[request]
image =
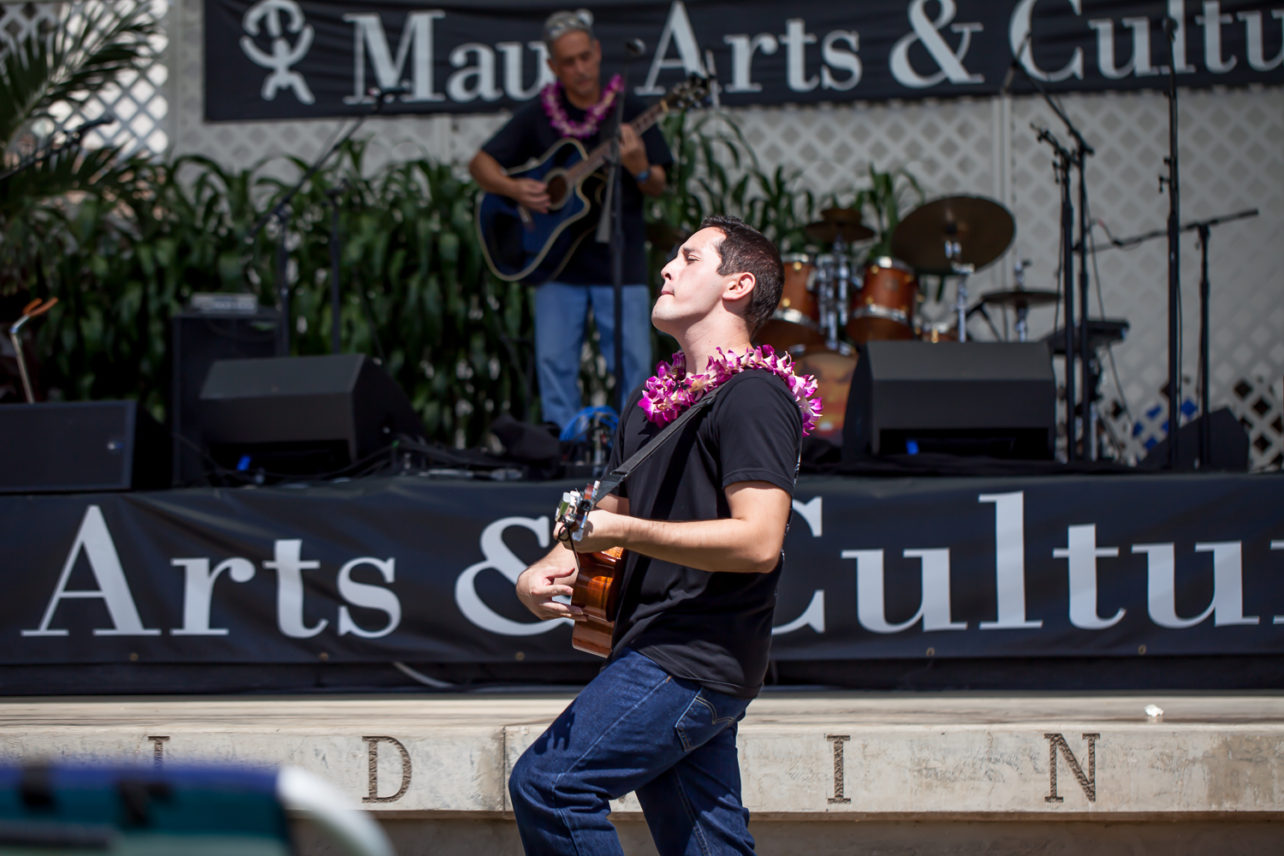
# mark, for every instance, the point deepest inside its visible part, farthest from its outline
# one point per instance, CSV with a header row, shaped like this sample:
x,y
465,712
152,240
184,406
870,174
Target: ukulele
x,y
597,581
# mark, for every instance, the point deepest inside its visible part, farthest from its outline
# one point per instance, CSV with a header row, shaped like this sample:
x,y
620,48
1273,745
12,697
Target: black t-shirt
x,y
710,627
528,135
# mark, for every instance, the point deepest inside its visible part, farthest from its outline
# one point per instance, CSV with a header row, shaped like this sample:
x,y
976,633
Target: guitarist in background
x,y
702,521
578,105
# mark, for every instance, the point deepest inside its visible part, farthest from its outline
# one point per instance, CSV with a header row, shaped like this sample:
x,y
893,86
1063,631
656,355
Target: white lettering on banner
x,y
1254,40
483,72
934,603
500,558
94,540
415,45
512,53
812,513
927,33
1177,11
368,596
1139,65
834,57
795,39
478,75
1009,561
1212,21
1081,552
743,47
198,592
1019,32
1227,603
678,33
289,566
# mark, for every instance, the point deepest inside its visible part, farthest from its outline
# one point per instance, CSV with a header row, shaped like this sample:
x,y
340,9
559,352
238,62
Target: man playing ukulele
x,y
702,522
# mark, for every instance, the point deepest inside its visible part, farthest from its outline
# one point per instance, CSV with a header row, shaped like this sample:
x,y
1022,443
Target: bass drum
x,y
833,371
796,322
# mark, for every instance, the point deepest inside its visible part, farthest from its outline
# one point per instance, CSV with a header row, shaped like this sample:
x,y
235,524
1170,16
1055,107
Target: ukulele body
x,y
596,591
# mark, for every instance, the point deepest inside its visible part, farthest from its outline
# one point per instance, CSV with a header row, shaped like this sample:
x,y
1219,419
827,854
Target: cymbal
x,y
982,227
841,215
829,231
665,237
1020,298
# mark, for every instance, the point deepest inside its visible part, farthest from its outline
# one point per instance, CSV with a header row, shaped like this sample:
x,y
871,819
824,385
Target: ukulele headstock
x,y
573,509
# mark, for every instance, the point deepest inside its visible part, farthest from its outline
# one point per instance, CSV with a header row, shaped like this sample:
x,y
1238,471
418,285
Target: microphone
x,y
714,87
635,47
383,93
1016,61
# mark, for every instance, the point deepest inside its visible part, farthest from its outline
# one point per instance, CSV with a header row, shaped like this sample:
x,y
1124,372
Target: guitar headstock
x,y
689,94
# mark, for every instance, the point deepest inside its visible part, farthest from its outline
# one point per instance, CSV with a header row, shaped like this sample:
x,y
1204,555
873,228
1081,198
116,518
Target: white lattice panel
x,y
136,102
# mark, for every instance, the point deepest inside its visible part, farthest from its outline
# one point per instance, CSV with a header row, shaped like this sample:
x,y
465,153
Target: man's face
x,y
576,62
692,286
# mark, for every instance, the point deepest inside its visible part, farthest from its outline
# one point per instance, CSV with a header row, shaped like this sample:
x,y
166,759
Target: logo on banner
x,y
280,18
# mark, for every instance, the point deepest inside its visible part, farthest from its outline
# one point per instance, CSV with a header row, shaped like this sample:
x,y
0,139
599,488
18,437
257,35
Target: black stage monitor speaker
x,y
301,415
996,399
76,446
1227,445
199,339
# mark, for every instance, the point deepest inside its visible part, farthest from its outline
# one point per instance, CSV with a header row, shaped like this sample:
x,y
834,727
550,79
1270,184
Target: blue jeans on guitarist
x,y
635,728
561,313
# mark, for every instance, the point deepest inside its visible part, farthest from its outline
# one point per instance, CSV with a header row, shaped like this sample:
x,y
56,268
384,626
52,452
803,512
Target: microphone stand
x,y
1078,158
280,213
1064,157
610,229
1174,256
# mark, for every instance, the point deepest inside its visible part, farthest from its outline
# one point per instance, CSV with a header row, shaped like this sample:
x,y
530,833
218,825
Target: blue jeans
x,y
635,728
561,311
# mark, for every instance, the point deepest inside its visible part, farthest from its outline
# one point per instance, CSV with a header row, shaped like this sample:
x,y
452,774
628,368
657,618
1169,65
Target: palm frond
x,y
90,45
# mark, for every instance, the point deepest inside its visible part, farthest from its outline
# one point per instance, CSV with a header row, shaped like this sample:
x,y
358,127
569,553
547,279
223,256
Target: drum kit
x,y
830,304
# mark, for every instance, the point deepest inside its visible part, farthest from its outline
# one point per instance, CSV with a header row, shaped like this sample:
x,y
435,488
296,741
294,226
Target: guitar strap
x,y
612,480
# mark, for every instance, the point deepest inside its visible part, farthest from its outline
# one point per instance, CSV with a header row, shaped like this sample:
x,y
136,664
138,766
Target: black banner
x,y
290,59
421,570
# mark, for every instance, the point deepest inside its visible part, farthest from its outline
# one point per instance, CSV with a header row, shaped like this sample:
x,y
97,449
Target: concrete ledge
x,y
804,756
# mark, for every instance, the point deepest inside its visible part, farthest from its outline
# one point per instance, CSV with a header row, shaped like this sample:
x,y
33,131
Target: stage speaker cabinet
x,y
996,399
81,446
301,416
198,340
1227,445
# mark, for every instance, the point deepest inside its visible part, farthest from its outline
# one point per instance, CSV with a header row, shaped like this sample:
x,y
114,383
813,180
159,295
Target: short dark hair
x,y
743,248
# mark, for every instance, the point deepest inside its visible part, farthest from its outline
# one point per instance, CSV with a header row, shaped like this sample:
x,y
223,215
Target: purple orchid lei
x,y
549,96
671,390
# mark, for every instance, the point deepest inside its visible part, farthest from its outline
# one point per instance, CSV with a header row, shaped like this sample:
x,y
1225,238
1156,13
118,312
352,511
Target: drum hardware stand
x,y
952,251
1022,310
32,309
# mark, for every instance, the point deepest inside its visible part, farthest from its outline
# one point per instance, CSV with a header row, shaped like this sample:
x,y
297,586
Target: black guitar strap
x,y
613,479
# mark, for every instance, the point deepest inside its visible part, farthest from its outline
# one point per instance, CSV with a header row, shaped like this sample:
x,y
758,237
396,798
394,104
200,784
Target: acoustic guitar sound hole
x,y
556,186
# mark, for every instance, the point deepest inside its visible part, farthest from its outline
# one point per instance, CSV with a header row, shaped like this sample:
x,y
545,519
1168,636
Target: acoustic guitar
x,y
520,244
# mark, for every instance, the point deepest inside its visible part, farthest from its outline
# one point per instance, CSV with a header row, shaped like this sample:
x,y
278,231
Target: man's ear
x,y
740,286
